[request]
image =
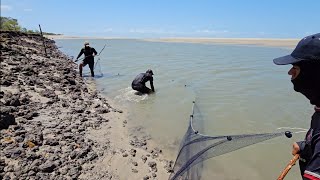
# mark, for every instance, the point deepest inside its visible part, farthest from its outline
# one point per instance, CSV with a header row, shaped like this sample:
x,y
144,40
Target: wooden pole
x,y
44,45
288,167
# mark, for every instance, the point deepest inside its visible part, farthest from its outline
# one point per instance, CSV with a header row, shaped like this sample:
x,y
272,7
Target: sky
x,y
169,18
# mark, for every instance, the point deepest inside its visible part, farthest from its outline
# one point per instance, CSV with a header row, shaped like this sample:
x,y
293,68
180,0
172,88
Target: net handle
x,y
288,167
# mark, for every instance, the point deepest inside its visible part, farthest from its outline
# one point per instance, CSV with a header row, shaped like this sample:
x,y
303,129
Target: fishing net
x,y
97,67
196,147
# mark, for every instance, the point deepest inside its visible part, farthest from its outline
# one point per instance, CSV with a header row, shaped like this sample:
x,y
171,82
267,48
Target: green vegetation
x,y
11,24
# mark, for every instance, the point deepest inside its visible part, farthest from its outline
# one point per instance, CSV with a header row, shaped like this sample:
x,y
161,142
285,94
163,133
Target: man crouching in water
x,y
139,83
89,54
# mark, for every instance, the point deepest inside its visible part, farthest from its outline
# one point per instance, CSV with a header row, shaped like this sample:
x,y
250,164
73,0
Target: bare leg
x,y
80,69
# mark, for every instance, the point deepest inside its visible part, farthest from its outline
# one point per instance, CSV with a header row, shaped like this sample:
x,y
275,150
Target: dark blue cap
x,y
307,49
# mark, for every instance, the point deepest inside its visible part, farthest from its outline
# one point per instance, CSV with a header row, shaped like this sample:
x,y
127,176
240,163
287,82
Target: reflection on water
x,y
238,89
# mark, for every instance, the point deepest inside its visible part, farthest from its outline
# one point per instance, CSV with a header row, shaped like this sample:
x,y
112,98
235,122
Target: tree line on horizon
x,y
11,24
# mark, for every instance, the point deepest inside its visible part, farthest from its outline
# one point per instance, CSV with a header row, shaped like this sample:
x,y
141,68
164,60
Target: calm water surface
x,y
238,89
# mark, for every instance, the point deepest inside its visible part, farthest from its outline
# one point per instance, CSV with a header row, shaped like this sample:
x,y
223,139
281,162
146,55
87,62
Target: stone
x,y
47,167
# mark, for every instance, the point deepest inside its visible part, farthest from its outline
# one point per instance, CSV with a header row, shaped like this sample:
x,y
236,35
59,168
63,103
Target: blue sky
x,y
169,18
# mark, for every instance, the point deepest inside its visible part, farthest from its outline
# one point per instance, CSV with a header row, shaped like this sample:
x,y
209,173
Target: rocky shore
x,y
56,125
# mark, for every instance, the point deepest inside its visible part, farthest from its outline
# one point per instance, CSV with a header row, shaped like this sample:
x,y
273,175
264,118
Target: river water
x,y
238,89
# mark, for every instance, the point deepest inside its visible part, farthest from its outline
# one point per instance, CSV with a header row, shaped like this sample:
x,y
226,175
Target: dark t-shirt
x,y
142,78
310,150
88,54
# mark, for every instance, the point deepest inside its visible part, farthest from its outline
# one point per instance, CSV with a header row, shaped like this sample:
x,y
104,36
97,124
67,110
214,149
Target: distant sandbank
x,y
287,43
273,42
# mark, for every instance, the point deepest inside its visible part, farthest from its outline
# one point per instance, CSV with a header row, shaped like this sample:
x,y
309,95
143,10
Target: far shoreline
x,y
270,42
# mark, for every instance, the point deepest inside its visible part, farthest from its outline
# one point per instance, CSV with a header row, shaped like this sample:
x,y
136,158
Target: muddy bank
x,y
55,125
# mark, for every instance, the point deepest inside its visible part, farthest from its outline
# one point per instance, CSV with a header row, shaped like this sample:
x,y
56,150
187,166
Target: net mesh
x,y
196,147
97,69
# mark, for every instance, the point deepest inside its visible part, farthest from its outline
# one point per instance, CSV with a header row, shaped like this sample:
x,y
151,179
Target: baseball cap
x,y
149,71
307,49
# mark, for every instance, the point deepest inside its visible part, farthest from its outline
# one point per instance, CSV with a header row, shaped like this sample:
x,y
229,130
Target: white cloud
x,y
207,31
147,31
108,30
97,31
27,10
5,8
137,31
262,33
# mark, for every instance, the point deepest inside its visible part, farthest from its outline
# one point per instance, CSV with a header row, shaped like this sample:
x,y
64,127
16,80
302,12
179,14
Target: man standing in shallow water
x,y
89,54
305,76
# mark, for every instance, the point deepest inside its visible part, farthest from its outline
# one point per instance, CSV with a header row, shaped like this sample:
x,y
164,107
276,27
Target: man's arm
x,y
94,52
80,53
297,147
312,171
151,84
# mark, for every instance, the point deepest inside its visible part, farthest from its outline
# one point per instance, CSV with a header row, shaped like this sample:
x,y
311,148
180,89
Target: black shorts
x,y
141,88
88,61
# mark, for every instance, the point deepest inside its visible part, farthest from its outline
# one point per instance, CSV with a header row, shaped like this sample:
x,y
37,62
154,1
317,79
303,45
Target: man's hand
x,y
295,148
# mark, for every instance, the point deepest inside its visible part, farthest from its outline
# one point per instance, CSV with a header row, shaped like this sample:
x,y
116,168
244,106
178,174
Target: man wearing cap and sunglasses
x,y
89,54
139,83
305,76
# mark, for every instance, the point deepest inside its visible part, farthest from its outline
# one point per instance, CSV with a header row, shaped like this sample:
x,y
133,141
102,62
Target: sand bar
x,y
272,42
287,43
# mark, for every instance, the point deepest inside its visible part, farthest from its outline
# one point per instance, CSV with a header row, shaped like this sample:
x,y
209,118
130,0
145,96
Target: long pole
x,y
44,45
288,167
